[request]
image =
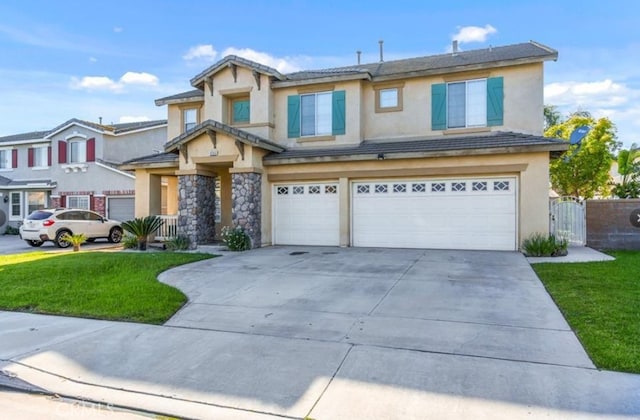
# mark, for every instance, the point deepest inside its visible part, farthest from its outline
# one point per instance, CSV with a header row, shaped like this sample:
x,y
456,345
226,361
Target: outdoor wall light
x,y
380,156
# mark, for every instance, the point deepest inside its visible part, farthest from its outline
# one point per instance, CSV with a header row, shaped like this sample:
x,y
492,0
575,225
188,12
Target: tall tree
x,y
551,116
583,170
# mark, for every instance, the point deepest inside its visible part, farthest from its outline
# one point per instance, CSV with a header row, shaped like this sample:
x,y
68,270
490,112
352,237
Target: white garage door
x,y
121,208
306,214
476,213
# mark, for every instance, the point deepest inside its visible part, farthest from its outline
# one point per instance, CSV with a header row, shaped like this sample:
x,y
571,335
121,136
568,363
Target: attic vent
x,y
454,47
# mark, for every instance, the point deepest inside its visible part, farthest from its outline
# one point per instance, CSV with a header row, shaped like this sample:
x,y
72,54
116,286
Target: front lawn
x,y
106,285
601,302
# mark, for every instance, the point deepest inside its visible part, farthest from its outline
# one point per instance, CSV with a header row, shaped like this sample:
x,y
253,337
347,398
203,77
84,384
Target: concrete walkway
x,y
332,334
575,254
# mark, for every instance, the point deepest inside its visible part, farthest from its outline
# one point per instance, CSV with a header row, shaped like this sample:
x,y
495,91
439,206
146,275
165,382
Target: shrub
x,y
540,245
76,240
236,239
10,230
141,228
178,243
129,241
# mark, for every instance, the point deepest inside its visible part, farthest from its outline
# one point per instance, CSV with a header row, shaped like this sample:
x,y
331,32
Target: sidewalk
x,y
576,254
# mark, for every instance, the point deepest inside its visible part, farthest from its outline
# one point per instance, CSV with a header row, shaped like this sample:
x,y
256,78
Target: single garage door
x,y
474,213
306,214
121,208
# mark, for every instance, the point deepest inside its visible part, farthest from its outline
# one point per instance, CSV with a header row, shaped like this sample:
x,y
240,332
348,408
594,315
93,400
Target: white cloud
x,y
133,78
284,65
130,119
93,60
204,52
467,34
118,29
589,95
104,83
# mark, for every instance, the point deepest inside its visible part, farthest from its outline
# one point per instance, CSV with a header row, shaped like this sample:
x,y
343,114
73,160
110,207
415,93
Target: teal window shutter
x,y
439,106
495,101
241,111
338,123
293,116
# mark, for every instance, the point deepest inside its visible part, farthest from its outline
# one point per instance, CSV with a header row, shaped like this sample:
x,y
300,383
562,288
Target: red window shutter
x,y
62,151
14,158
91,150
49,156
30,153
92,203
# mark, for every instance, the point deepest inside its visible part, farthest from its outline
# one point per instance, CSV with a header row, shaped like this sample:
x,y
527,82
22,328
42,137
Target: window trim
x,y
46,156
315,132
399,87
12,203
183,108
70,143
8,159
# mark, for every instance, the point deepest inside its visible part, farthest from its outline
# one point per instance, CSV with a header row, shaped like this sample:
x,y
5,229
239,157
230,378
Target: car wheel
x,y
34,243
115,235
60,242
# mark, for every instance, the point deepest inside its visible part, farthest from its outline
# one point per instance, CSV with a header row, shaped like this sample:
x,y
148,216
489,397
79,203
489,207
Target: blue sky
x,y
111,59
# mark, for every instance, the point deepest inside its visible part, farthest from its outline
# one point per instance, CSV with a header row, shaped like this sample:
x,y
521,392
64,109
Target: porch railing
x,y
169,228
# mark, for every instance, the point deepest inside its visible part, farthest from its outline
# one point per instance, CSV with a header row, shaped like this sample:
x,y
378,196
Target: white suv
x,y
53,224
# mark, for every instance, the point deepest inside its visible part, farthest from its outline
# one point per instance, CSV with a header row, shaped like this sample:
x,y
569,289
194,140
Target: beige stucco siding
x,y
529,168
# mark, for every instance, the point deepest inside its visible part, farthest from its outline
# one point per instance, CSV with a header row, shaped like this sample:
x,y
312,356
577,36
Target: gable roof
x,y
211,125
198,80
189,96
103,128
24,137
497,142
528,52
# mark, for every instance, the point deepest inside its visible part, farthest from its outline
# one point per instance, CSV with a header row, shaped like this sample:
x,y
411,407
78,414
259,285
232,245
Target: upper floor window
x,y
190,118
240,111
316,114
8,159
388,97
469,103
39,157
77,151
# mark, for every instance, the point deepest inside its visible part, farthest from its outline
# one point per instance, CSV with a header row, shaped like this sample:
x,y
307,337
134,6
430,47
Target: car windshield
x,y
39,215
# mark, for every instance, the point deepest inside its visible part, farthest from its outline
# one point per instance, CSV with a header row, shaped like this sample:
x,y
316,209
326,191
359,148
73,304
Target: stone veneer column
x,y
196,208
246,196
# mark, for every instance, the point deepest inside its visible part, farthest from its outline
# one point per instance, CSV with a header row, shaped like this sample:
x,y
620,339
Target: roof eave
x,y
555,147
319,80
162,101
132,166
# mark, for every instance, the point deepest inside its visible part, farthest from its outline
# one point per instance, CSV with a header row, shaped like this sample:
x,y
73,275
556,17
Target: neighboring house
x,y
73,165
443,151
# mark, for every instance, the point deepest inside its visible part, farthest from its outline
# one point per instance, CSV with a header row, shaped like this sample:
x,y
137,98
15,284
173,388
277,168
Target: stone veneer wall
x,y
246,197
196,208
609,224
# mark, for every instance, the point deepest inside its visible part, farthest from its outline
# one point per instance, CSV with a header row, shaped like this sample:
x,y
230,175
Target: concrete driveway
x,y
333,334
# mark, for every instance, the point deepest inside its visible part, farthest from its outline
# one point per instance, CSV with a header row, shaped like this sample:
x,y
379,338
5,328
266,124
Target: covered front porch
x,y
208,178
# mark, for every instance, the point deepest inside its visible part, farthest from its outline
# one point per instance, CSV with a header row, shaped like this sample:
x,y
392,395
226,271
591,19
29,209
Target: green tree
x,y
583,170
551,116
629,168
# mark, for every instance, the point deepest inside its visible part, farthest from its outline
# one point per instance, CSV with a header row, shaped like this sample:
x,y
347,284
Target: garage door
x,y
306,214
476,213
121,208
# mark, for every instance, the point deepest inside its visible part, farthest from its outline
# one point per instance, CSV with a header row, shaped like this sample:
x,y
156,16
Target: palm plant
x,y
76,240
141,228
629,168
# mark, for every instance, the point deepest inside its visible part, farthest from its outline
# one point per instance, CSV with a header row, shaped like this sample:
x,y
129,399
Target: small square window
x,y
501,185
298,189
330,189
399,188
314,189
388,98
363,189
438,187
479,186
282,190
240,111
418,188
458,186
381,188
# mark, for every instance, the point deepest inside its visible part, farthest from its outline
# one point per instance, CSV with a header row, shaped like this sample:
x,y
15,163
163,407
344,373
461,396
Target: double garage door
x,y
473,213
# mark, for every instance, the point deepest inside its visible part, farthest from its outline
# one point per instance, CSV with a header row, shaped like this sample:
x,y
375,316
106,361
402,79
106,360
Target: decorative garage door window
x,y
434,187
306,189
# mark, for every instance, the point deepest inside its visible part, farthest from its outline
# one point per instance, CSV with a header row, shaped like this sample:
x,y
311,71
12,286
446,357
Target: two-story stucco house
x,y
73,165
442,151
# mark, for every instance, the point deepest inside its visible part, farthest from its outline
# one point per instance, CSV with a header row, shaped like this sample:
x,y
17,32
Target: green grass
x,y
105,285
601,302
